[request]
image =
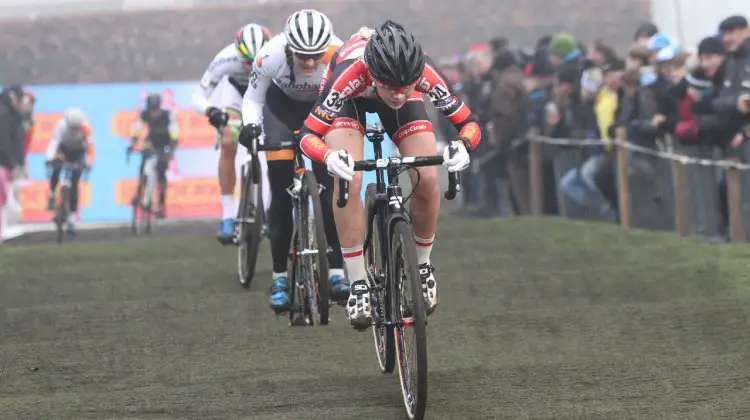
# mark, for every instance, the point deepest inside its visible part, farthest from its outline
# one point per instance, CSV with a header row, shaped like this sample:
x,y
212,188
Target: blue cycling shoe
x,y
226,232
339,288
279,299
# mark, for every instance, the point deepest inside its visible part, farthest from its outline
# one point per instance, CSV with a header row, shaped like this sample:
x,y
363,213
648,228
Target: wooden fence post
x,y
734,198
623,179
681,213
536,175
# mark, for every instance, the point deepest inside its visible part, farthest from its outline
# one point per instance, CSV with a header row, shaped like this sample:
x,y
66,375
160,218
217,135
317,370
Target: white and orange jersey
x,y
71,139
272,66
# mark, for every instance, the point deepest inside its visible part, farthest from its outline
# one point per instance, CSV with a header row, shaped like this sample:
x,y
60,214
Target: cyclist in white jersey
x,y
283,87
221,88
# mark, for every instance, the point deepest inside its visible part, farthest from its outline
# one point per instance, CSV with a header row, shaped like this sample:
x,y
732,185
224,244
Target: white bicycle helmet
x,y
74,117
308,31
250,39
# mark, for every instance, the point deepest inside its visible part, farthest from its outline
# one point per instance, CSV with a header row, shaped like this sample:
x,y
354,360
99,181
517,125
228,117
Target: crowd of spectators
x,y
565,88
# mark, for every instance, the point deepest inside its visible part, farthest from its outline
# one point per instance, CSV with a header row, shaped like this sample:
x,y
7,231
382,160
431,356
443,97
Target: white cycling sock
x,y
336,272
424,248
277,275
227,207
355,263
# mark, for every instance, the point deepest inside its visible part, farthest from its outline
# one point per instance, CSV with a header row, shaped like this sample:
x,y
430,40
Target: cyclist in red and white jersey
x,y
385,71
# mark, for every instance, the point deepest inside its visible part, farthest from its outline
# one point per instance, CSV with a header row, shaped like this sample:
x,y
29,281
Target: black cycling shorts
x,y
72,154
282,115
398,123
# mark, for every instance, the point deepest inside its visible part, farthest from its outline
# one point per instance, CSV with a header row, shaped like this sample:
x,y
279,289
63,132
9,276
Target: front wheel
x,y
382,334
406,291
61,215
312,233
250,224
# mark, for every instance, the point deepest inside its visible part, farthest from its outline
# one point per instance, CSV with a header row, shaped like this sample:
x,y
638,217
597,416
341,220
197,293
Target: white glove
x,y
340,164
460,159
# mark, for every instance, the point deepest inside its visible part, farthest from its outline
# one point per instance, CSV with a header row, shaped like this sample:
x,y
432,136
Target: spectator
x,y
644,33
498,45
734,98
507,120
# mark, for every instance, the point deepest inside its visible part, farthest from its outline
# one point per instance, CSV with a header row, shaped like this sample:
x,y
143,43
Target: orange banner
x,y
191,197
195,131
33,197
44,127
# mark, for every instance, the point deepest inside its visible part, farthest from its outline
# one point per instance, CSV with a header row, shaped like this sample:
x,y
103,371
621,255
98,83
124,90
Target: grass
x,y
539,318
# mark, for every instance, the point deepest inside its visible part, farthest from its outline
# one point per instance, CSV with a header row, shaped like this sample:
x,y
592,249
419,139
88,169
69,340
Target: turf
x,y
539,318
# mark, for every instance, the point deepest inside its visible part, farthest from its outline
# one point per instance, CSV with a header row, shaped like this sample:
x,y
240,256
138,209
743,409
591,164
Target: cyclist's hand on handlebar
x,y
341,164
248,133
460,159
217,118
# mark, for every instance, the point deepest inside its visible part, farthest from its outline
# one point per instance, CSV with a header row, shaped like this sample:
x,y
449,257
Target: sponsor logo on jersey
x,y
410,129
259,61
447,103
301,86
253,79
347,123
323,113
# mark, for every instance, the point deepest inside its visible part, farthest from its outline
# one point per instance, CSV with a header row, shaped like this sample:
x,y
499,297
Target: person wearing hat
x,y
644,33
735,96
563,48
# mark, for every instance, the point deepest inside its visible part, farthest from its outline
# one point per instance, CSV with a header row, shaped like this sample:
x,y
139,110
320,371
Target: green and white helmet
x,y
250,39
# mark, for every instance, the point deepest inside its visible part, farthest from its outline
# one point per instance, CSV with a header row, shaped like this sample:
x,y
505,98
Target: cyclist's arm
x,y
54,142
223,64
174,128
90,151
261,77
445,99
135,135
327,107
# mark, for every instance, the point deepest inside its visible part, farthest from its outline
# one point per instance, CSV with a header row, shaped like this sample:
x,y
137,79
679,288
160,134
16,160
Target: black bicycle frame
x,y
389,208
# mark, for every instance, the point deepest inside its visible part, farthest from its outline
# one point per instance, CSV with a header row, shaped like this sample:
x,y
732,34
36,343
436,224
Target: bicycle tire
x,y
382,334
147,213
318,292
249,234
403,245
136,204
61,215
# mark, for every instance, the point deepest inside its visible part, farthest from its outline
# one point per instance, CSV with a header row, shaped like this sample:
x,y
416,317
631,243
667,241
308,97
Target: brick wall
x,y
179,44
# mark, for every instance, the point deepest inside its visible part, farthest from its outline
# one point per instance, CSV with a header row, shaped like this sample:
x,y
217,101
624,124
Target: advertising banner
x,y
112,110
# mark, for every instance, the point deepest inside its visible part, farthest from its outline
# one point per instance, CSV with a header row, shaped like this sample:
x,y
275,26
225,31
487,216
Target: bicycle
x,y
143,205
392,266
310,294
62,207
250,215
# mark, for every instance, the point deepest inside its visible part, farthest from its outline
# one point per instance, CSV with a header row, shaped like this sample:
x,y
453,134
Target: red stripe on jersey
x,y
350,123
317,125
410,129
460,115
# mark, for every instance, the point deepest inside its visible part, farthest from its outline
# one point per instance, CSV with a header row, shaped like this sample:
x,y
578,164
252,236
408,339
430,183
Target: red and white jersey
x,y
347,77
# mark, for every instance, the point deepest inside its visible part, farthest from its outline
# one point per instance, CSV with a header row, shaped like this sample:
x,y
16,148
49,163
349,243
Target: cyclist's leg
x,y
280,177
413,136
161,172
75,157
339,285
347,133
227,97
139,185
293,114
54,179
